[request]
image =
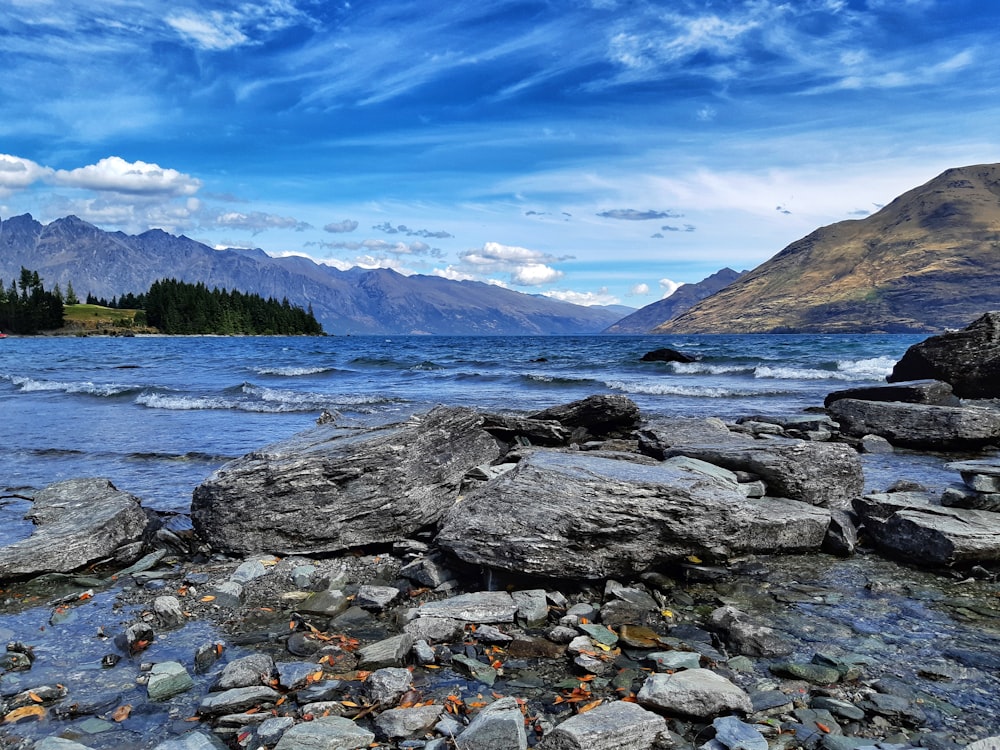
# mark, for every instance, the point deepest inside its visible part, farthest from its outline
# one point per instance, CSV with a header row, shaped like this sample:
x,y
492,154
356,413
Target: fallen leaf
x,y
590,706
122,712
35,697
23,713
693,559
823,727
208,598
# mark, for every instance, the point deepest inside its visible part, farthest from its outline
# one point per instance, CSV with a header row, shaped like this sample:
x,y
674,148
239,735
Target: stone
x,y
192,741
980,476
476,607
698,693
841,535
57,743
747,637
478,671
386,686
435,629
969,360
817,674
600,416
400,723
671,661
962,497
228,595
738,735
532,606
535,431
329,489
271,730
167,679
920,426
666,354
77,522
823,474
911,526
247,671
250,570
326,733
293,675
656,437
498,726
427,571
610,726
390,652
328,603
530,647
933,392
168,611
237,700
875,444
989,743
375,598
577,515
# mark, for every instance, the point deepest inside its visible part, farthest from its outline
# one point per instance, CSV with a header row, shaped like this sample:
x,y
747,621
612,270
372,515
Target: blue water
x,y
157,415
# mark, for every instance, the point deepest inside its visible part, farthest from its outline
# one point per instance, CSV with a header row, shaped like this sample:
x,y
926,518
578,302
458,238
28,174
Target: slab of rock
x,y
968,359
400,723
655,438
747,637
330,489
700,693
167,679
825,474
911,526
390,652
237,700
499,726
922,426
608,727
918,392
477,606
248,671
575,515
536,431
981,476
77,522
326,733
595,416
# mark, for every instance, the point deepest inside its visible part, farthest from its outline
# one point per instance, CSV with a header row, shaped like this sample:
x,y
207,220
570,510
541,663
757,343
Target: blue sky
x,y
599,151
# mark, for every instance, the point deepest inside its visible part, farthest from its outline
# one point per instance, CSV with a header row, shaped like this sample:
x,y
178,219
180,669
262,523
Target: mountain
x,y
684,297
357,301
927,261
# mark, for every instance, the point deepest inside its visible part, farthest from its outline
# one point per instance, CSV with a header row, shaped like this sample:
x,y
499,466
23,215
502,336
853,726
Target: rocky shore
x,y
575,578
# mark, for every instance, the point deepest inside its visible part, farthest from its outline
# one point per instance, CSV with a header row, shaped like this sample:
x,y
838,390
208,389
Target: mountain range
x,y
357,301
927,261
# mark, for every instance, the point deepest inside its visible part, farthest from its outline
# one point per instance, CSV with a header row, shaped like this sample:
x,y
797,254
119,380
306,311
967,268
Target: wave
x,y
254,398
535,378
696,391
874,368
706,368
104,390
291,372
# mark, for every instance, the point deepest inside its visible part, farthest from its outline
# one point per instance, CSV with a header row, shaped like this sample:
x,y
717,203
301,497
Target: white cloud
x,y
601,297
258,221
114,174
341,227
669,287
212,31
526,267
17,173
639,290
534,274
453,274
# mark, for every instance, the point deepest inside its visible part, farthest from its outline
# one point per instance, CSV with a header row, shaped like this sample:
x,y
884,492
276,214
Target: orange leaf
x,y
208,598
584,621
35,697
589,706
823,727
586,678
121,713
24,712
85,596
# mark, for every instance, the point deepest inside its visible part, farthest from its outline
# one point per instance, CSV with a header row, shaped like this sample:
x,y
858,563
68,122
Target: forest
x,y
25,306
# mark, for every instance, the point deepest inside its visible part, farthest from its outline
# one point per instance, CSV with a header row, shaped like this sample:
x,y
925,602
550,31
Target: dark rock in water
x,y
909,525
933,392
747,637
329,489
77,522
564,515
666,354
825,474
596,416
921,426
968,359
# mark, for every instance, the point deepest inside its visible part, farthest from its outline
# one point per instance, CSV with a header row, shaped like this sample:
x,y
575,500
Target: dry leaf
x,y
121,713
208,598
24,712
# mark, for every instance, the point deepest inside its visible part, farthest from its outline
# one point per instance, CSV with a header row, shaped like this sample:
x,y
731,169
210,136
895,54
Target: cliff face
x,y
358,301
927,261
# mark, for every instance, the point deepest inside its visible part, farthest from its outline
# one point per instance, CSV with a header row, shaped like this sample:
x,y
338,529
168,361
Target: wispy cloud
x,y
257,221
631,214
341,227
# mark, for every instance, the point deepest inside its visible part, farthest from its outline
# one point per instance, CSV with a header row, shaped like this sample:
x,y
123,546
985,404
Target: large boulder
x,y
918,392
666,354
825,474
329,489
968,359
922,426
576,515
595,416
77,522
911,526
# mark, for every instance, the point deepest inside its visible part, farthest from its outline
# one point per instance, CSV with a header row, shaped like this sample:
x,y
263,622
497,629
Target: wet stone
x,y
770,702
398,723
329,603
499,726
814,673
738,735
168,679
228,595
334,732
693,692
671,661
302,576
250,570
168,611
478,671
293,675
529,647
561,634
390,652
375,598
237,700
477,607
816,716
427,571
532,606
839,708
192,741
255,669
608,727
273,728
387,686
599,634
327,690
435,629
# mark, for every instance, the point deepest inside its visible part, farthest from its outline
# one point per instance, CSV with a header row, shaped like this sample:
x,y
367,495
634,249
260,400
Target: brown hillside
x,y
927,261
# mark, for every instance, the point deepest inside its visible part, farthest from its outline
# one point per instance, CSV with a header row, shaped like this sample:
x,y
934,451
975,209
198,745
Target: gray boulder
x,y
921,426
595,417
933,392
326,733
824,474
499,726
700,693
330,489
968,359
77,522
575,515
911,526
608,727
657,437
747,637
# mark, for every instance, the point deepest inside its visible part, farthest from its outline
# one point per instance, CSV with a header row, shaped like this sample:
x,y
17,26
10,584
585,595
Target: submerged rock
x,y
329,489
666,354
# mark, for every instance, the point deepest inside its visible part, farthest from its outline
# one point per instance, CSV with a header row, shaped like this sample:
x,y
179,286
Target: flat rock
x,y
329,488
77,522
168,679
921,426
911,526
668,432
499,726
747,637
608,727
576,515
599,416
477,607
237,700
981,476
326,733
698,693
400,723
918,392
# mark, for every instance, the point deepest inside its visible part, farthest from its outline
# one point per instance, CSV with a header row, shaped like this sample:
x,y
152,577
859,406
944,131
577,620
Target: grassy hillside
x,y
94,319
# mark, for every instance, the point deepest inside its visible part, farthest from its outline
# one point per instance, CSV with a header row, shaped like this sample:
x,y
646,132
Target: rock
x,y
532,606
817,674
595,417
435,629
328,603
499,726
477,607
666,354
875,444
536,431
610,726
841,534
57,743
961,497
386,686
968,359
255,669
909,525
375,598
77,522
326,733
192,741
919,392
824,474
167,679
294,675
329,489
427,571
237,700
699,693
980,476
400,723
990,743
671,661
390,652
662,434
478,671
271,730
168,611
920,426
530,647
576,515
228,595
737,735
747,637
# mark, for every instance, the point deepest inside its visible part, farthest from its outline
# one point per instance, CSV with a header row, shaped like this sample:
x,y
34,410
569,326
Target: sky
x,y
596,151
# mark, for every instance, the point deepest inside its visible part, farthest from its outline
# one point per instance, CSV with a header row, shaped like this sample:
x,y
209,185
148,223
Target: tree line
x,y
25,306
171,306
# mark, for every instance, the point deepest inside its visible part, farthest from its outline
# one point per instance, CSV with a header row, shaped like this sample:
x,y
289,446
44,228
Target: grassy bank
x,y
94,319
